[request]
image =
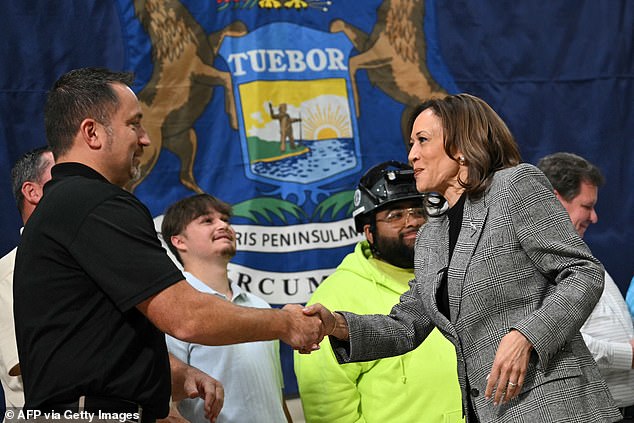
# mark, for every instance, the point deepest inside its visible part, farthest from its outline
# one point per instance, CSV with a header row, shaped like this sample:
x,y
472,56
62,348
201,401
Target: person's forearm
x,y
193,316
196,317
178,371
234,324
340,329
190,382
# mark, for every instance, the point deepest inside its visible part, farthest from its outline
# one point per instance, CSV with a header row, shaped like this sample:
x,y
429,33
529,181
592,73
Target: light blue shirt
x,y
250,372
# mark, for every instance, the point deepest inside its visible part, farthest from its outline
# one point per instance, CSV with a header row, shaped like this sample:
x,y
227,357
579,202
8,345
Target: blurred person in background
x,y
608,332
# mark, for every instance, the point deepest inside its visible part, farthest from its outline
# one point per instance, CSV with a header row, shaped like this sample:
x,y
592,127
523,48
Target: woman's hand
x,y
509,367
333,324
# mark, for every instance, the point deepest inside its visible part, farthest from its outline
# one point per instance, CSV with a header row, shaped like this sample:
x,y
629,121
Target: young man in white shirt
x,y
197,231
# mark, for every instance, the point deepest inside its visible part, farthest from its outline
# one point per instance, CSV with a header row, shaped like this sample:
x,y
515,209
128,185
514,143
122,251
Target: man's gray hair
x,y
566,172
28,168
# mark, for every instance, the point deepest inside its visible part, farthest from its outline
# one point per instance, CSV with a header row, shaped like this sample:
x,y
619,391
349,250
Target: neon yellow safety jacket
x,y
420,386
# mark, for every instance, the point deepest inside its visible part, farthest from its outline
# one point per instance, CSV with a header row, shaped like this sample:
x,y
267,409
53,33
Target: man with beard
x,y
419,386
105,290
197,231
28,176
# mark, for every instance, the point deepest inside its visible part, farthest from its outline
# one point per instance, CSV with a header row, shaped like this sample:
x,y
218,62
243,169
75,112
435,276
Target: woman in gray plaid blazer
x,y
503,275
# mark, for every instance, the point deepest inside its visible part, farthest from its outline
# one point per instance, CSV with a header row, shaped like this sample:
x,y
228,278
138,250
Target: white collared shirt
x,y
250,372
12,385
607,333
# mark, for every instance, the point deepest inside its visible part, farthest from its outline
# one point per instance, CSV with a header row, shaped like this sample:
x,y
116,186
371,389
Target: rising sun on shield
x,y
327,121
298,131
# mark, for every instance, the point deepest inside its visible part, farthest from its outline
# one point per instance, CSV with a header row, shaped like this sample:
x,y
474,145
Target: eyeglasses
x,y
399,216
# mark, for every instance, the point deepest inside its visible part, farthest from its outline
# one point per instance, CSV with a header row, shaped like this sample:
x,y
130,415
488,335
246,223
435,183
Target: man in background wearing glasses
x,y
419,386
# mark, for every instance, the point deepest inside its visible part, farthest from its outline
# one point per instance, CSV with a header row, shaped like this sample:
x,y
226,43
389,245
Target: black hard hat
x,y
383,185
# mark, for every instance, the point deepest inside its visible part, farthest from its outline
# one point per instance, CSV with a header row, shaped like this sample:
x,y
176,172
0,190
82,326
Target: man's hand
x,y
174,416
189,382
201,385
304,332
509,367
334,324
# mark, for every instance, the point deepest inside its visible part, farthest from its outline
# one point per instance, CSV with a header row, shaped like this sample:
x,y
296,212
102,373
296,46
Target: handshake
x,y
307,326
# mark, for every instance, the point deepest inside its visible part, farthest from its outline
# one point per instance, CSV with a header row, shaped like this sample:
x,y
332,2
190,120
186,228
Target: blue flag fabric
x,y
278,107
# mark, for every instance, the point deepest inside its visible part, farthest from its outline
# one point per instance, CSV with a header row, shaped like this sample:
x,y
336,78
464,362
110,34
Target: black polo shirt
x,y
88,255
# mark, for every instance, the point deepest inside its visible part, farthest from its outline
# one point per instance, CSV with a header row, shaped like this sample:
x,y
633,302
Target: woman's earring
x,y
461,161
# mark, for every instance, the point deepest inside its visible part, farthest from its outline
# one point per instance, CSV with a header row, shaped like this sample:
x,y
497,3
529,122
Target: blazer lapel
x,y
474,216
433,251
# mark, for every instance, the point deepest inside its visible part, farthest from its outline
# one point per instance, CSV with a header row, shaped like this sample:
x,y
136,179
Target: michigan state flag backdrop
x,y
279,106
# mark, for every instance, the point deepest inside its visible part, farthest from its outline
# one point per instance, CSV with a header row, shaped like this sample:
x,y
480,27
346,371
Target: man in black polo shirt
x,y
93,287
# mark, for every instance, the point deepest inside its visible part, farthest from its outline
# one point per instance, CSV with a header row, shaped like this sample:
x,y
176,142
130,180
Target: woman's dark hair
x,y
473,128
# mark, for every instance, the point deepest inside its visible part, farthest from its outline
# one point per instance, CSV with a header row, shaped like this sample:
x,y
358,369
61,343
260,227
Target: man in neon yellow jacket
x,y
420,386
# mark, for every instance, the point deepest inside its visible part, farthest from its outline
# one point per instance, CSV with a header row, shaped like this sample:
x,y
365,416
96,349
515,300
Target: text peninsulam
x,y
283,287
288,287
285,239
278,287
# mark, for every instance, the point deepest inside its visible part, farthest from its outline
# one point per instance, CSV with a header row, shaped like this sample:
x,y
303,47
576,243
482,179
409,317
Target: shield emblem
x,y
296,116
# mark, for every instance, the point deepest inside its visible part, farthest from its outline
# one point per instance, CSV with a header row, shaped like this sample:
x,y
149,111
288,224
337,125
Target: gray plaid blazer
x,y
518,263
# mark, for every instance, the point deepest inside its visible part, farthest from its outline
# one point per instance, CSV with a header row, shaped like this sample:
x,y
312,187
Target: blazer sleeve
x,y
375,336
548,237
